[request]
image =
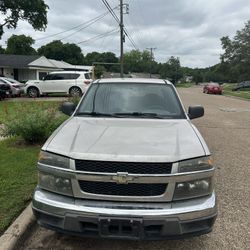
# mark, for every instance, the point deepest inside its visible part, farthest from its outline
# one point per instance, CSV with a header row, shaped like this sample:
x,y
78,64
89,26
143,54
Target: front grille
x,y
129,167
131,189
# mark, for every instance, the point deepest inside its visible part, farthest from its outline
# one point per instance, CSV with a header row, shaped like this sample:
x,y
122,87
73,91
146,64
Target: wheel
x,y
33,92
75,91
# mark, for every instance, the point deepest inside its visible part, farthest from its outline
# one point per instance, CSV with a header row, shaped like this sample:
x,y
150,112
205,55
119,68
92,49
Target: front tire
x,y
75,92
33,92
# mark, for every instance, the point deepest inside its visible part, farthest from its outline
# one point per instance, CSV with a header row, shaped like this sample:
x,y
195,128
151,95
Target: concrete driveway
x,y
226,129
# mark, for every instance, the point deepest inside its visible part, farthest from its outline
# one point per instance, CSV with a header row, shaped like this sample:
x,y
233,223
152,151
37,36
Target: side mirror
x,y
68,108
195,112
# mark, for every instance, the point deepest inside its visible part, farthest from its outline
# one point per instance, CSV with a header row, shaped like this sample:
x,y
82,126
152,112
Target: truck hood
x,y
122,139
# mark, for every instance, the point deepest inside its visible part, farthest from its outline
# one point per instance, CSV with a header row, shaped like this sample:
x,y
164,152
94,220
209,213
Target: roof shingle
x,y
16,61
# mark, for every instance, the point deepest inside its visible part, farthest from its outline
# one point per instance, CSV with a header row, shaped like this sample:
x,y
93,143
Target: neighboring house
x,y
26,67
188,79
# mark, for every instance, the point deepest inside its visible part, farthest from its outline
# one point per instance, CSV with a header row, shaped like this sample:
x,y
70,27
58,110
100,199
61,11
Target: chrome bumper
x,y
65,213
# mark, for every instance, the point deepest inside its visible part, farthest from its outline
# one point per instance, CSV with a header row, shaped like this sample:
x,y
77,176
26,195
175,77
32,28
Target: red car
x,y
212,88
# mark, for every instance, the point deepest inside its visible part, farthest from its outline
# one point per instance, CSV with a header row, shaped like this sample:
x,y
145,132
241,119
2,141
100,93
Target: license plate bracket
x,y
120,227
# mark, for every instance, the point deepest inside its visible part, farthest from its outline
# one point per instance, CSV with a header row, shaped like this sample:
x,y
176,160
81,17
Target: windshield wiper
x,y
95,114
141,114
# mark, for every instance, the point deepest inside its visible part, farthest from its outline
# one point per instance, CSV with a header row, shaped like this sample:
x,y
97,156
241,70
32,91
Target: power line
x,y
130,38
99,36
137,33
88,23
111,11
86,26
118,21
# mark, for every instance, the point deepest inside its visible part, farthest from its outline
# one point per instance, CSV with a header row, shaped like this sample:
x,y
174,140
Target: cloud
x,y
189,29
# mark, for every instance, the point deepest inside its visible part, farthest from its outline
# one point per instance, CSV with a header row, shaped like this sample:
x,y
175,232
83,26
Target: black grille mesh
x,y
130,167
131,189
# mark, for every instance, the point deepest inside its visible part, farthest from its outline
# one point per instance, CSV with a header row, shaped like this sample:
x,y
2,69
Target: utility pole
x,y
151,60
121,36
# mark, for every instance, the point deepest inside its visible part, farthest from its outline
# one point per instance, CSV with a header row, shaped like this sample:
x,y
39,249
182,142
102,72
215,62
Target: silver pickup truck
x,y
128,163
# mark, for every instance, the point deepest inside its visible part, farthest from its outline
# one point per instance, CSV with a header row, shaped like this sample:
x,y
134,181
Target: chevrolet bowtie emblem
x,y
122,178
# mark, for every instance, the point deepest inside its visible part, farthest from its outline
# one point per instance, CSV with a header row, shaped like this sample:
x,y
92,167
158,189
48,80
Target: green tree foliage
x,y
236,57
20,45
34,12
2,50
139,61
68,52
172,70
99,70
106,57
132,61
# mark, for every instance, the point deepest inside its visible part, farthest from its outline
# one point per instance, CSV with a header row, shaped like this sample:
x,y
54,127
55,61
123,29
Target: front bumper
x,y
125,219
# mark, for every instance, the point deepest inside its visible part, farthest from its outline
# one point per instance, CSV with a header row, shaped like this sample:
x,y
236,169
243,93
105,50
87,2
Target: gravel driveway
x,y
226,129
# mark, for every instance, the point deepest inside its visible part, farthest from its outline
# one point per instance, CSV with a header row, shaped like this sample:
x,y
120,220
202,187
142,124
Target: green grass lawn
x,y
227,90
10,107
18,178
18,174
184,85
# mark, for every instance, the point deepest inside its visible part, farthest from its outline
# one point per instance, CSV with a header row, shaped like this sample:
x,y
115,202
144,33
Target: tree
x,y
236,57
68,52
137,61
106,57
132,61
20,45
2,50
172,70
34,12
99,70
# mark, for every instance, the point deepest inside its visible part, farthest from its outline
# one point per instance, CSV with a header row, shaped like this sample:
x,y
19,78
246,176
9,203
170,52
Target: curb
x,y
18,230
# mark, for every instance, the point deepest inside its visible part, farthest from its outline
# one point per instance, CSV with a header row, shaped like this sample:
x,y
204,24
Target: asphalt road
x,y
226,129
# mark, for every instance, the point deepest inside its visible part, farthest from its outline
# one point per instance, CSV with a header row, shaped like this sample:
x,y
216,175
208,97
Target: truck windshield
x,y
130,100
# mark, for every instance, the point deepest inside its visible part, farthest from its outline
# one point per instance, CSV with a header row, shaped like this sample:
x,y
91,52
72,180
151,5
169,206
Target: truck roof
x,y
132,80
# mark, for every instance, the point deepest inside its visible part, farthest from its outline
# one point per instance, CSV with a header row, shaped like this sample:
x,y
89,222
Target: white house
x,y
33,67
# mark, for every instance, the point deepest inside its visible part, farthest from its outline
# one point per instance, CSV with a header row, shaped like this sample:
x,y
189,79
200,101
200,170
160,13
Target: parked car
x,y
128,163
242,86
73,83
17,88
212,88
5,90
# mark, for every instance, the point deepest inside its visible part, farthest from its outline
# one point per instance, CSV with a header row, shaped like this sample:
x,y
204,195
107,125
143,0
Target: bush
x,y
74,99
34,124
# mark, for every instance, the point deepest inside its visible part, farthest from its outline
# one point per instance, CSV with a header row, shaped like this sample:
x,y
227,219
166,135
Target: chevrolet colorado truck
x,y
129,164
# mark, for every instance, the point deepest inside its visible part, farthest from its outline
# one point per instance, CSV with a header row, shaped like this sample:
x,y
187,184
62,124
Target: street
x,y
226,129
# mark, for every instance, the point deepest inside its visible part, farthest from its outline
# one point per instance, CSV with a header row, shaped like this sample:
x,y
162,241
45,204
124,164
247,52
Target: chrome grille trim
x,y
169,179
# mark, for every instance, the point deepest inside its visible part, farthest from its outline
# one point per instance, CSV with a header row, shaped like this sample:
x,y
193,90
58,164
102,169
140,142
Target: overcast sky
x,y
189,29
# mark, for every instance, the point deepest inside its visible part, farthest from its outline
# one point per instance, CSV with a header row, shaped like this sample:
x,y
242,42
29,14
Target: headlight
x,y
192,189
55,183
53,160
197,164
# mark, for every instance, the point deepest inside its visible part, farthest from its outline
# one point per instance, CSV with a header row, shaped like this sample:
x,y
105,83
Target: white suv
x,y
73,83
